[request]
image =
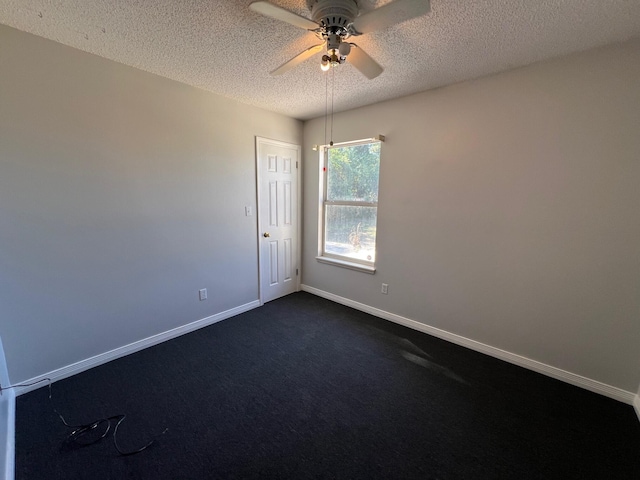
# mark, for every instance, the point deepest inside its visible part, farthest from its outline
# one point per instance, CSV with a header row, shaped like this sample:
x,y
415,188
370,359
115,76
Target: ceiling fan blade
x,y
279,13
298,59
390,14
363,62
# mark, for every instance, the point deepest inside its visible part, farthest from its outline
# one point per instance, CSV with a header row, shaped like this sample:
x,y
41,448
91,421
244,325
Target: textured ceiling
x,y
224,47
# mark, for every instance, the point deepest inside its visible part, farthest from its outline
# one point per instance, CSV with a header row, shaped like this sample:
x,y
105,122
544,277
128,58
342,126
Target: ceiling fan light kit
x,y
334,22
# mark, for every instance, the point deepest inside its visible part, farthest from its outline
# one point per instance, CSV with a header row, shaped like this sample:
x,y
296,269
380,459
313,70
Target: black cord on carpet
x,y
89,433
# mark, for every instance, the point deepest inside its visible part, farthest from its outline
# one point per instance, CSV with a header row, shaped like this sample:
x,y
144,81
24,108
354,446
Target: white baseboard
x,y
88,363
7,422
7,435
557,373
636,405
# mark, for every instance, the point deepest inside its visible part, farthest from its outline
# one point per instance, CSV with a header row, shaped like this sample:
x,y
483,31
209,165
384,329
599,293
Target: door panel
x,y
273,263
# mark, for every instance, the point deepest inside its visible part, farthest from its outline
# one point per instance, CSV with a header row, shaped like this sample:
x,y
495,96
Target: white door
x,y
277,167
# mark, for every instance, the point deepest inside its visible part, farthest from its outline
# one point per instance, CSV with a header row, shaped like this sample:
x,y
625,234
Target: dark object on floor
x,y
306,388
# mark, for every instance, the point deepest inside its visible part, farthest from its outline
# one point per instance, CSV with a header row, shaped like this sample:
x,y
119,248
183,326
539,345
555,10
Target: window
x,y
349,186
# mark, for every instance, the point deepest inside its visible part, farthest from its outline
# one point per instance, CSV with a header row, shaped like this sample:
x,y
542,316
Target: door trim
x,y
268,141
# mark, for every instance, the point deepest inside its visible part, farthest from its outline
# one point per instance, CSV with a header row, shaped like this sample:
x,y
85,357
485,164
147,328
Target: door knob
x,y
266,234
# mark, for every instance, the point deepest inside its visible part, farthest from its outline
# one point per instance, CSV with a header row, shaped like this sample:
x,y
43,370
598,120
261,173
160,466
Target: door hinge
x,y
296,272
296,164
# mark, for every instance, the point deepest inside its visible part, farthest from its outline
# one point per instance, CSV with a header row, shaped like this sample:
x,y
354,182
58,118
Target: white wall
x,y
509,211
121,194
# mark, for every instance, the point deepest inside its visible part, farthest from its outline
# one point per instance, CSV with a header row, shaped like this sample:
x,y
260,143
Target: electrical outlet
x,y
385,288
202,293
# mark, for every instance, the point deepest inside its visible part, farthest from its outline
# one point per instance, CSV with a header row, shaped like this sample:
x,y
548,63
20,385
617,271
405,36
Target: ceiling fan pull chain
x,y
326,105
333,89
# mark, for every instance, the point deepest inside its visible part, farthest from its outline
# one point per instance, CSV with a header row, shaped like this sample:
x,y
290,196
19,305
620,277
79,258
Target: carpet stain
x,y
423,362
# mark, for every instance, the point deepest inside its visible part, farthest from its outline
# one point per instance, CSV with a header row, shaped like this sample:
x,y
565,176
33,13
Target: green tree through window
x,y
353,173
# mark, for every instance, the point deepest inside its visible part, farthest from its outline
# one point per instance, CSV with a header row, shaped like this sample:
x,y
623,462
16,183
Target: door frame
x,y
259,142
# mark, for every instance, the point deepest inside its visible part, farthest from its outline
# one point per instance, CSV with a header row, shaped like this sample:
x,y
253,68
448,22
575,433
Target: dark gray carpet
x,y
305,388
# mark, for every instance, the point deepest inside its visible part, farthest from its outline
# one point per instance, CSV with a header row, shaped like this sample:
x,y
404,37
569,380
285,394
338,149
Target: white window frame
x,y
331,258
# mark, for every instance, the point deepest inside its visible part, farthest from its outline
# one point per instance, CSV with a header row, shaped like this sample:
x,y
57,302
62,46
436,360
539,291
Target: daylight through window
x,y
350,206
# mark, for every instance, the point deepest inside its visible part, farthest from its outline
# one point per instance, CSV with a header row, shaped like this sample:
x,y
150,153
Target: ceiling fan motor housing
x,y
334,15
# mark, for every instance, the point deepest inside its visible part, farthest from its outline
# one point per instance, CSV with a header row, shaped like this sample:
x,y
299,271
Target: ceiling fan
x,y
335,22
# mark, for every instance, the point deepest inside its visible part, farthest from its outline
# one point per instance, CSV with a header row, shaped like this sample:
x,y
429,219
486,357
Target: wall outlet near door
x,y
202,293
385,288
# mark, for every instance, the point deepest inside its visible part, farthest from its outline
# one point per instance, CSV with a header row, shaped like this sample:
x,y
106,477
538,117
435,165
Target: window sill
x,y
345,264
